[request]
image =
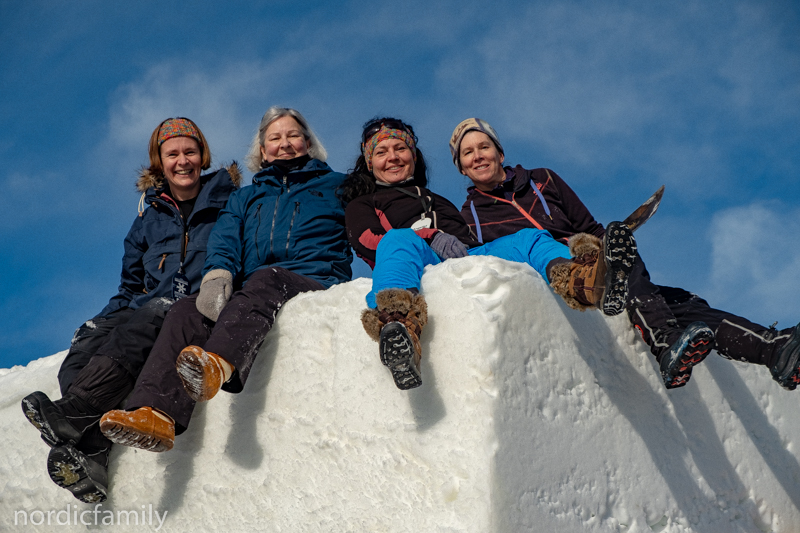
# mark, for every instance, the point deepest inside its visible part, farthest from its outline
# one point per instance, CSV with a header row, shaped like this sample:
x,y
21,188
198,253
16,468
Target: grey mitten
x,y
215,291
448,246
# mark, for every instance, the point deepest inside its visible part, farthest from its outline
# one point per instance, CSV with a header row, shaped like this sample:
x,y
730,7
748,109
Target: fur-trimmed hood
x,y
147,179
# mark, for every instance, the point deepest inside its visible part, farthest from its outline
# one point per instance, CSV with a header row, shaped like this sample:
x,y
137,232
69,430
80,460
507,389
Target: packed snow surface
x,y
531,417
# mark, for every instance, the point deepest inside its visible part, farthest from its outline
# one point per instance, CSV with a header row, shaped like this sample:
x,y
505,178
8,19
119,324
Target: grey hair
x,y
315,149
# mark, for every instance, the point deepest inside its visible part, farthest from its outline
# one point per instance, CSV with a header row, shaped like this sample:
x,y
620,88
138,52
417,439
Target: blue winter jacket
x,y
154,243
290,220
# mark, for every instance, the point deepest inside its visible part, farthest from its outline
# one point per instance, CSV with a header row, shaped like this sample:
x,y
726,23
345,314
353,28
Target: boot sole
x,y
191,370
397,353
70,470
619,250
789,379
32,406
130,436
697,346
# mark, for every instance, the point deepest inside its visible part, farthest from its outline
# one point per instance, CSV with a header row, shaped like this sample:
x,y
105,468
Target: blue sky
x,y
617,97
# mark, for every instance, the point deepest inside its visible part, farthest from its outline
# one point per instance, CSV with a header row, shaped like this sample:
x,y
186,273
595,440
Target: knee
x,y
158,306
265,277
183,310
399,239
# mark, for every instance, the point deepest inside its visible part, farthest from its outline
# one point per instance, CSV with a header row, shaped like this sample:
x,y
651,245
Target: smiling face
x,y
392,161
284,139
182,162
481,161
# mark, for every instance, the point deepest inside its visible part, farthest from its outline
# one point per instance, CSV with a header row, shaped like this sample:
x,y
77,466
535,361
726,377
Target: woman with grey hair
x,y
281,236
255,157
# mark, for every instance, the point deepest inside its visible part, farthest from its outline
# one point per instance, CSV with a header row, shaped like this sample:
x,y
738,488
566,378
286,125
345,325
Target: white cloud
x,y
676,92
170,89
756,261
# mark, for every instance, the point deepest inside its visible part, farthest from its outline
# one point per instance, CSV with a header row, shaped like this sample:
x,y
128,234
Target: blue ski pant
x,y
402,255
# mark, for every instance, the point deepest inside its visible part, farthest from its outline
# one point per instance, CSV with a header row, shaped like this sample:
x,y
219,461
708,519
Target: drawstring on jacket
x,y
478,223
141,204
541,197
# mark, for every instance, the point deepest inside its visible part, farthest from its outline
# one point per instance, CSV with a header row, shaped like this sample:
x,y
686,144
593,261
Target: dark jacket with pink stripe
x,y
514,205
370,216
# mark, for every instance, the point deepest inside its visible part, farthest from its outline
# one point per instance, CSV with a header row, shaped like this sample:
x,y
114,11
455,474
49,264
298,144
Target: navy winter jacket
x,y
290,220
155,241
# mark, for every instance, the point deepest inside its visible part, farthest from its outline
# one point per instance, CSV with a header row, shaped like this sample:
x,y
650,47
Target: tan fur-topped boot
x,y
396,326
597,274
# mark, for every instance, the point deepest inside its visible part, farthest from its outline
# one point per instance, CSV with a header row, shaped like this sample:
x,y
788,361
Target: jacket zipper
x,y
291,224
258,226
272,229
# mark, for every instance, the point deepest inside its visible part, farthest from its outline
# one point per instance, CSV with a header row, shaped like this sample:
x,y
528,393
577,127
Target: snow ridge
x,y
531,417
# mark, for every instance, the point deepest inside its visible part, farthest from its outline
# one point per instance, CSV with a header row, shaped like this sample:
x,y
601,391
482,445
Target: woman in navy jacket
x,y
275,239
165,250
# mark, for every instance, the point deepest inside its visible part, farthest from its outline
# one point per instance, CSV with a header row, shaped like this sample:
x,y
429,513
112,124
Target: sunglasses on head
x,y
390,123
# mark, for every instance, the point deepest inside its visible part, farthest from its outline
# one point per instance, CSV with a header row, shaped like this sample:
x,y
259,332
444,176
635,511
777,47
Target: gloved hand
x,y
215,291
448,246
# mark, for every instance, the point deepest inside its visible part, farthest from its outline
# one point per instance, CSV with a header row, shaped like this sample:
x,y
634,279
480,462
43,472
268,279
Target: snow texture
x,y
531,417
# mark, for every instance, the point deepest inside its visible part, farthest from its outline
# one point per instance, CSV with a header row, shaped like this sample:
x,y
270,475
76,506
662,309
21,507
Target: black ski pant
x,y
106,356
87,340
236,337
661,313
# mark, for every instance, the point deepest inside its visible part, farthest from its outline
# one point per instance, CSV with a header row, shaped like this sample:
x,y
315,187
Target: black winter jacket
x,y
370,216
514,205
159,237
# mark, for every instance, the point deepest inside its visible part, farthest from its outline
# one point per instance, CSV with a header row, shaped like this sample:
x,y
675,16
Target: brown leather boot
x,y
143,428
397,325
202,373
597,275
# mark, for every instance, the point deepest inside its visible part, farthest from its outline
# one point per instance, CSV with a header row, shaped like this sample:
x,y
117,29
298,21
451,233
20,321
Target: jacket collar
x,y
274,174
209,192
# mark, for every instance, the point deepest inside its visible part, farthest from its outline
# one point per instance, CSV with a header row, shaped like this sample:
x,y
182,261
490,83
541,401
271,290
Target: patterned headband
x,y
177,127
387,133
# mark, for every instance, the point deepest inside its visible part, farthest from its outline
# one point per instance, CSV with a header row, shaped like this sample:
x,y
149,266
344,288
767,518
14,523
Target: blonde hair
x,y
315,148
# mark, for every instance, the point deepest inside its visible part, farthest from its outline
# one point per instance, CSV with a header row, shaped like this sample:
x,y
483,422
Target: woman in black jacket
x,y
680,328
399,226
164,254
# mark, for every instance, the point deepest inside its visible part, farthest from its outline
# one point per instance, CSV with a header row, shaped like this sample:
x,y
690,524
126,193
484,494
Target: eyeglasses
x,y
390,123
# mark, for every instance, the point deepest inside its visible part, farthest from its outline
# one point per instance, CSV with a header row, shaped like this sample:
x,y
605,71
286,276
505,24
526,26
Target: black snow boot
x,y
693,345
71,469
59,422
786,369
82,469
396,325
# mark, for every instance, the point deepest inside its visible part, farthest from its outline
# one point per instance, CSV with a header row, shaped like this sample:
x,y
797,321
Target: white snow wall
x,y
532,417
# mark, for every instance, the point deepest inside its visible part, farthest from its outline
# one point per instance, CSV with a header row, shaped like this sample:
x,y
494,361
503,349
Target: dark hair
x,y
361,181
